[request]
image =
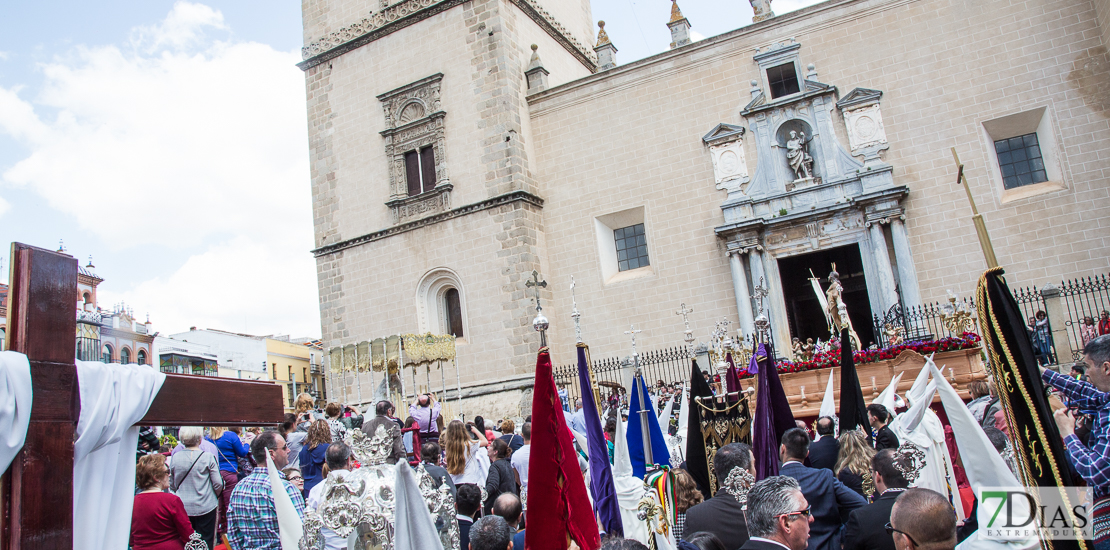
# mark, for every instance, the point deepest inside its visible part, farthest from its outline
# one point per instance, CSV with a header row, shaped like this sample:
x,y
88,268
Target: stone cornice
x,y
726,231
555,30
409,12
494,202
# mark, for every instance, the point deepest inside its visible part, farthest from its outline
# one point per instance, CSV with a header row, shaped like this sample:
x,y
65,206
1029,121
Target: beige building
x,y
296,368
449,161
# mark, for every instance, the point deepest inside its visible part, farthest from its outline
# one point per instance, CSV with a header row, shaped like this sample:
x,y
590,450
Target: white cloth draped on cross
x,y
113,398
15,405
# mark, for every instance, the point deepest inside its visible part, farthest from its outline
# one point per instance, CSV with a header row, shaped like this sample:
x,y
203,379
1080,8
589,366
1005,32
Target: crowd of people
x,y
854,490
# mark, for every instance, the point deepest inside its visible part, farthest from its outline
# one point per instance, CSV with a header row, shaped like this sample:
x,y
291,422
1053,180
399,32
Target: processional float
x,y
390,356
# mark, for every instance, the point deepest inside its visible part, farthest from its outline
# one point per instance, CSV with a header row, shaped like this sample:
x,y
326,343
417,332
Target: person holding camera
x,y
426,410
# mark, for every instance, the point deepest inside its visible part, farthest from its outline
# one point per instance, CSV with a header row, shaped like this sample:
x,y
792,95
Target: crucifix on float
x,y
689,334
37,490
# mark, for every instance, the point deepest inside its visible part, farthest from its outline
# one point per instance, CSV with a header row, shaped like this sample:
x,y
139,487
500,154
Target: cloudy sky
x,y
168,141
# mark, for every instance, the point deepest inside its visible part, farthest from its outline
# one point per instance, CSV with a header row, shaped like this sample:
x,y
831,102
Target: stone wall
x,y
630,137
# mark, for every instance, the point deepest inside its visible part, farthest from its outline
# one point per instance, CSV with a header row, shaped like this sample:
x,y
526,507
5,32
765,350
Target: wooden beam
x,y
37,494
190,400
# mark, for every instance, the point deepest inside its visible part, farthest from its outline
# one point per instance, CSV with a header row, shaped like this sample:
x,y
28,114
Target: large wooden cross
x,y
36,493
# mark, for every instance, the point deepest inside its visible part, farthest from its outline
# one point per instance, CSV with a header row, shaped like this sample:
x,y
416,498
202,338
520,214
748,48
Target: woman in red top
x,y
159,521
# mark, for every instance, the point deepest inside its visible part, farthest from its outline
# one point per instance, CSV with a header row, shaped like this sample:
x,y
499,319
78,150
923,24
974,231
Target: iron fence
x,y
1031,302
1083,298
670,365
919,323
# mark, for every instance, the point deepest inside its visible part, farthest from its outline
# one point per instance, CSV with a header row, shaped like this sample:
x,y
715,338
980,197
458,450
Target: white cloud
x,y
241,285
4,56
184,26
158,146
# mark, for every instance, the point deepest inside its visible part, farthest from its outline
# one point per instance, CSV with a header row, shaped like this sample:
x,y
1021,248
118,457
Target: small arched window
x,y
125,356
87,297
441,303
106,354
142,356
452,309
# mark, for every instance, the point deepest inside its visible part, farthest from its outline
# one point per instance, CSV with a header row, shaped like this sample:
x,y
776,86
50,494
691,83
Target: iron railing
x,y
918,323
1084,297
88,349
670,365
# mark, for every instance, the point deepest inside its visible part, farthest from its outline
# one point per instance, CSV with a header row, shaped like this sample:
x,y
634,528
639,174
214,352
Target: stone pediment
x,y
812,89
723,133
859,96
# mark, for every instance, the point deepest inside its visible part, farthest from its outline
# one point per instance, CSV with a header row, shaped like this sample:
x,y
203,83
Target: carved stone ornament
x,y
864,122
726,148
414,121
360,504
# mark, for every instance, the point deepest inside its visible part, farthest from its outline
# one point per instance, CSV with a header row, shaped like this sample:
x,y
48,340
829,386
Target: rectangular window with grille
x,y
631,247
1020,160
783,80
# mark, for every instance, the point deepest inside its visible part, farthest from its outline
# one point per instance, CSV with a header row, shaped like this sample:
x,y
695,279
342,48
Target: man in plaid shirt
x,y
251,519
1093,461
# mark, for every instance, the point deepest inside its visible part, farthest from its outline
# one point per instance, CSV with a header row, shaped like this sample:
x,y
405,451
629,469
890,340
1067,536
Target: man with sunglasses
x,y
778,515
865,528
830,499
922,519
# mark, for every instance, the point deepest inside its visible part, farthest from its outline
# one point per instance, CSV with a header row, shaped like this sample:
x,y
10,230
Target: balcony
x,y
92,317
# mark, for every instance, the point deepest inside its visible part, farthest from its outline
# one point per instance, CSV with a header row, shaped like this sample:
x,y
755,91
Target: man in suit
x,y
923,519
507,505
467,505
778,515
828,497
880,419
723,515
824,451
866,527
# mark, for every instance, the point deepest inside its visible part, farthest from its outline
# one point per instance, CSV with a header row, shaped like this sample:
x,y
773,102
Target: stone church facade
x,y
451,158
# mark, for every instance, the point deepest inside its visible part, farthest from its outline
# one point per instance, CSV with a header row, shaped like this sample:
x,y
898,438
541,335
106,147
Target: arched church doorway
x,y
802,307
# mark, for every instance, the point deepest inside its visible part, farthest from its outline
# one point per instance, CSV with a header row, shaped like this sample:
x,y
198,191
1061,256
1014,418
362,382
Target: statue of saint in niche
x,y
798,157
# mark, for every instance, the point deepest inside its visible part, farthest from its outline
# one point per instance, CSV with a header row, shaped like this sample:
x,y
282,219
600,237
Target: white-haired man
x,y
778,515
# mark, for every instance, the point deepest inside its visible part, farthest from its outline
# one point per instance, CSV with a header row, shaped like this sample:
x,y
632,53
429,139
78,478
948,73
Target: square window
x,y
783,80
631,247
1019,159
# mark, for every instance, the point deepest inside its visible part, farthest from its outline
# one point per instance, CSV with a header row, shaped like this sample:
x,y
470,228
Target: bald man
x,y
923,519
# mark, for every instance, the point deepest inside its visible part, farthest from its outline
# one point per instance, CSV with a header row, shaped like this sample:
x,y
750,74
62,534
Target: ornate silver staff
x,y
574,314
762,323
689,337
645,408
540,322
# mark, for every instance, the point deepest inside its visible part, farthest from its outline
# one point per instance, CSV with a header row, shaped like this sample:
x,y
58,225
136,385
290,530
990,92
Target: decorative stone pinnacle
x,y
602,37
536,75
676,13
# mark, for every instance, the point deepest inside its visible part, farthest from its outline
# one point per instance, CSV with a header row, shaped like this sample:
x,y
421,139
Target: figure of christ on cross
x,y
36,493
